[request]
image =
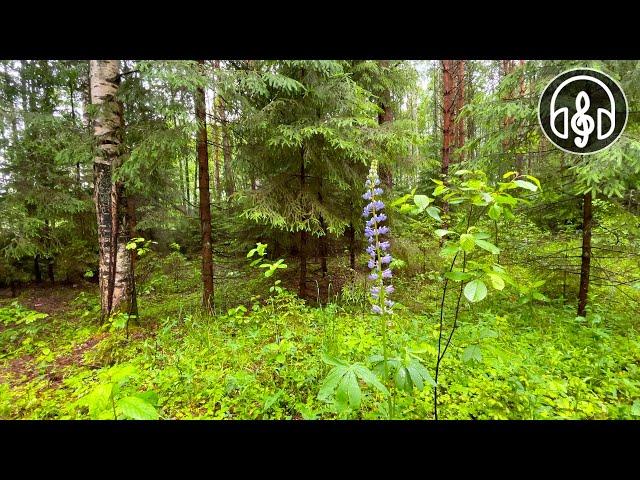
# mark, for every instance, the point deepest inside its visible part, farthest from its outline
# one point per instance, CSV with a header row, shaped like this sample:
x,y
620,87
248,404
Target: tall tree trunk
x,y
302,274
187,182
585,268
459,132
229,184
385,116
205,198
447,113
520,156
73,118
116,279
506,68
322,241
217,138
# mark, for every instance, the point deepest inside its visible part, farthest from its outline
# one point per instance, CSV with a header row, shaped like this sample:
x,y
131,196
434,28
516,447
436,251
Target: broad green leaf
x,y
400,201
328,359
119,374
434,213
534,180
495,211
349,386
475,290
368,377
439,190
330,382
467,242
472,352
635,408
509,174
481,235
496,281
421,201
441,233
403,382
458,276
98,399
449,250
149,396
525,184
490,247
417,370
137,409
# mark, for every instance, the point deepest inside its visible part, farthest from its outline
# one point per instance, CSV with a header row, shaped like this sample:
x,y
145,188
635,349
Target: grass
x,y
507,361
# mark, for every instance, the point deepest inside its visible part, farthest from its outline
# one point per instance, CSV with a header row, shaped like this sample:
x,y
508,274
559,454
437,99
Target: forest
x,y
312,239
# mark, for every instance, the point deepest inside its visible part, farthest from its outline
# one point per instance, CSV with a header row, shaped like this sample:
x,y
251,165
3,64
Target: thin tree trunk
x,y
459,131
133,225
47,237
117,284
352,247
229,184
520,156
187,182
506,68
585,267
302,278
385,116
447,114
36,268
217,140
205,197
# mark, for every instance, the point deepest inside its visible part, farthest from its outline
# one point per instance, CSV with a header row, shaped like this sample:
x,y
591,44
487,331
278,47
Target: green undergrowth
x,y
264,360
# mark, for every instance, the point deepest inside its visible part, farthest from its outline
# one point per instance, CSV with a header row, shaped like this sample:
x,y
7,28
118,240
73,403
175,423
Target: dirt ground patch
x,y
76,357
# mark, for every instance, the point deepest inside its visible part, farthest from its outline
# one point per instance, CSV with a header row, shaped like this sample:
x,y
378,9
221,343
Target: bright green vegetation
x,y
389,240
511,358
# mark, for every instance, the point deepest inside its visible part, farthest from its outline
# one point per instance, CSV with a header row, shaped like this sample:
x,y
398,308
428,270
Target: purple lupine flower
x,y
377,248
369,232
377,204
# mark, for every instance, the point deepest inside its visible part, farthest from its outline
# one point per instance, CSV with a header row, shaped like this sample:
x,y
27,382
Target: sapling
x,y
470,190
272,268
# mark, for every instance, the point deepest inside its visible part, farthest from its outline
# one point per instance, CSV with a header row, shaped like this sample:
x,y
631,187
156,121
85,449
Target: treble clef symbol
x,y
581,123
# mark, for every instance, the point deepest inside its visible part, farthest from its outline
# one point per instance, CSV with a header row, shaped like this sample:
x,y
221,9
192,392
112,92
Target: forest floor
x,y
266,357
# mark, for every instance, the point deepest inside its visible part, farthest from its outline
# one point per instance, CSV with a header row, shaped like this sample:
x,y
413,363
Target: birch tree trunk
x,y
116,279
